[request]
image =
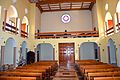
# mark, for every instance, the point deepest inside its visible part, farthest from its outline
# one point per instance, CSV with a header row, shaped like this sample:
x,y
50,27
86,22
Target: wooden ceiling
x,y
63,5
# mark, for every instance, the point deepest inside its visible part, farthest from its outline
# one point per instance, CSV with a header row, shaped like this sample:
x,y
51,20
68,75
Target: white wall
x,y
94,17
87,51
37,19
0,12
80,21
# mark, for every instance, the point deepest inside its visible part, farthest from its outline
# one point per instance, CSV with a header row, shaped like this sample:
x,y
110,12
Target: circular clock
x,y
65,18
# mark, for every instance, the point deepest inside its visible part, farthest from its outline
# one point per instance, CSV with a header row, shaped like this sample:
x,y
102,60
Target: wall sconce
x,y
99,44
102,49
34,46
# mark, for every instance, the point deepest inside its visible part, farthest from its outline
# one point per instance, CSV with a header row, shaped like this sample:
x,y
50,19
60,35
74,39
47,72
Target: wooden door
x,y
30,57
66,53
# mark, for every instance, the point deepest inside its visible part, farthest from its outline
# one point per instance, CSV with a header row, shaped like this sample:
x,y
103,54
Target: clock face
x,y
65,18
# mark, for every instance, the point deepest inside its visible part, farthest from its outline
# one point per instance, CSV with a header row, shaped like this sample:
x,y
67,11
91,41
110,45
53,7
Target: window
x,y
66,18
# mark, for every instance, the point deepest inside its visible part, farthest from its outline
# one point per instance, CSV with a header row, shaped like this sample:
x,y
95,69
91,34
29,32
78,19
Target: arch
x,y
12,17
25,23
118,7
89,50
12,12
111,52
23,51
25,27
108,20
45,51
25,20
117,17
109,27
9,55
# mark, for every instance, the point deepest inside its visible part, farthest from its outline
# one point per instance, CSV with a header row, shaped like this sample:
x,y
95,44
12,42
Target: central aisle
x,y
66,72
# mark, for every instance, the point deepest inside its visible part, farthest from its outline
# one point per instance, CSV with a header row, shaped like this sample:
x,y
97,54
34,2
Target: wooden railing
x,y
110,31
10,28
24,34
74,34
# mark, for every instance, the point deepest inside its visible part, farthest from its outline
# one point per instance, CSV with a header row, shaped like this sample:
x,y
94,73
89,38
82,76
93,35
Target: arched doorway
x,y
45,51
24,27
23,49
23,54
11,20
111,52
109,28
10,52
30,57
89,50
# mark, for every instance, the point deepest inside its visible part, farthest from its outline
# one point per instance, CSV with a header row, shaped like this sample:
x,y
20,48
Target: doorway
x,y
112,52
30,57
89,50
66,53
45,51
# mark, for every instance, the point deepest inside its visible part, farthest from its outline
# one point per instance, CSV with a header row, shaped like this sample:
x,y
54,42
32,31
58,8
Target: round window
x,y
65,18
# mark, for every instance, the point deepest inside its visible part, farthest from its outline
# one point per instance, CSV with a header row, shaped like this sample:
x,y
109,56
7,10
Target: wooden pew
x,y
101,70
91,76
106,78
17,78
93,70
22,74
39,70
83,68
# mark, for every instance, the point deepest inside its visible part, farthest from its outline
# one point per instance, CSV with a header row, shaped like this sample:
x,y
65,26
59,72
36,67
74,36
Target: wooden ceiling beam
x,y
82,5
62,1
37,5
60,6
91,5
70,5
65,9
49,6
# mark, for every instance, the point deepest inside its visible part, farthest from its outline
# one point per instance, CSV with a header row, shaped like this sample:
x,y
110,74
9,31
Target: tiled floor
x,y
66,72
